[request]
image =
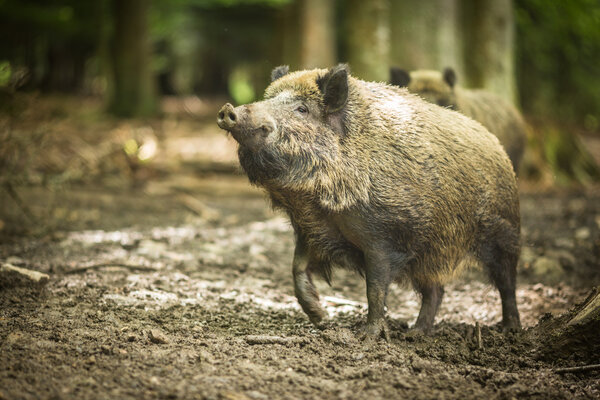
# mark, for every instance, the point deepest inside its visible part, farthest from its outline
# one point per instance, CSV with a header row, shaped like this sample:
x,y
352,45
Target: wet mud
x,y
151,296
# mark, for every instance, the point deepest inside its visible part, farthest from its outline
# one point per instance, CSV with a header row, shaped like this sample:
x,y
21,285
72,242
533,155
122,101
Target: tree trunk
x,y
133,92
288,25
489,46
426,36
368,39
573,335
318,48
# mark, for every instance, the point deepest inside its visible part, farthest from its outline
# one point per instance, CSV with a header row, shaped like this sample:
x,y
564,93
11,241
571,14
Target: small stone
x,y
402,384
154,381
582,233
567,243
358,356
157,337
253,394
231,395
105,349
91,359
420,364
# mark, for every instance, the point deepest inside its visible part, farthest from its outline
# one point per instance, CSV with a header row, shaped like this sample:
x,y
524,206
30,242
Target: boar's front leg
x,y
378,274
305,290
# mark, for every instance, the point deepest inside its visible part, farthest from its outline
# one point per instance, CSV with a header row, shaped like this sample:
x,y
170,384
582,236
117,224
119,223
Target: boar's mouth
x,y
251,137
260,165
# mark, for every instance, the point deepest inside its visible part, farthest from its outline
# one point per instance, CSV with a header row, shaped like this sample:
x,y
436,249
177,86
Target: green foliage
x,y
240,87
558,59
5,73
567,157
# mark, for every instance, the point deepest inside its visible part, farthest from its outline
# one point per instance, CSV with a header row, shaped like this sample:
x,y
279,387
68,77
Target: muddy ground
x,y
158,290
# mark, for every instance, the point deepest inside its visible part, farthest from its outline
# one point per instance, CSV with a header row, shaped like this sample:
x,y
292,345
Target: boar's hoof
x,y
375,330
421,329
317,317
511,326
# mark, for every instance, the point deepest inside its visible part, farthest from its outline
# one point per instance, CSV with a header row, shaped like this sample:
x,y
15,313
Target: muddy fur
x,y
388,184
493,112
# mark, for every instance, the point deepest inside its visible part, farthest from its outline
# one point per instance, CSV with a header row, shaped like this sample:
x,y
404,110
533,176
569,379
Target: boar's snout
x,y
227,117
249,125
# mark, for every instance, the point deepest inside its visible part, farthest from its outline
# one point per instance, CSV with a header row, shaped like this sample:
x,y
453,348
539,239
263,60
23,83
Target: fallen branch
x,y
97,266
582,368
263,339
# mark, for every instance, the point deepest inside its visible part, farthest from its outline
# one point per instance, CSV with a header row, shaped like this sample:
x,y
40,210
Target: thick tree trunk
x,y
65,68
289,35
318,48
133,92
426,36
489,46
368,38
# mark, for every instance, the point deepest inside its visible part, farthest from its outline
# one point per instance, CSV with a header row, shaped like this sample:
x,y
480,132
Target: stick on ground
x,y
582,368
97,266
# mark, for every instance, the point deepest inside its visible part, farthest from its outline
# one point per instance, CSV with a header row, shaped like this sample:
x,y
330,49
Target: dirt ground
x,y
180,287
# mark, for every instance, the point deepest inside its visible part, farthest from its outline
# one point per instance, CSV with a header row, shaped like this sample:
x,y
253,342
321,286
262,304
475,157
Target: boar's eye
x,y
302,109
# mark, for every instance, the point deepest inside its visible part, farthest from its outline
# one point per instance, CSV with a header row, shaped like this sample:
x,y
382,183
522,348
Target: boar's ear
x,y
399,77
278,72
334,86
450,76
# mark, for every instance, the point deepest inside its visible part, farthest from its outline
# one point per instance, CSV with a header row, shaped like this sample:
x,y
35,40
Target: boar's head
x,y
292,137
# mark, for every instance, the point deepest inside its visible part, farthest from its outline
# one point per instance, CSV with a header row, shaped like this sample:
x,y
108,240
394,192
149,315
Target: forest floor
x,y
172,279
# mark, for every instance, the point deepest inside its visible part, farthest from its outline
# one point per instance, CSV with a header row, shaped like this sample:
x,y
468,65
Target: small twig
x,y
478,335
582,368
97,266
263,339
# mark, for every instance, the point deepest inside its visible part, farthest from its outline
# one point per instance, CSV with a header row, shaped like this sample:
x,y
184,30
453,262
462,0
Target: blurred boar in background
x,y
492,111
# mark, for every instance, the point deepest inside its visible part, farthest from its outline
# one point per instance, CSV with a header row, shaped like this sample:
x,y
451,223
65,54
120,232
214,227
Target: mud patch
x,y
158,302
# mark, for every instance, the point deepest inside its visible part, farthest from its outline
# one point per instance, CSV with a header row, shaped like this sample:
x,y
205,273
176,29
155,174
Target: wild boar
x,y
377,180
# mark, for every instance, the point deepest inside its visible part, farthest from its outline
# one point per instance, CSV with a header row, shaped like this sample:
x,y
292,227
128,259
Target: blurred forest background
x,y
93,63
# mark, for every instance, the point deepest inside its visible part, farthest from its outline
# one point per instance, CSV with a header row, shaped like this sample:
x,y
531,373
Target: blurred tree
x,y
318,33
50,41
426,35
488,40
133,91
290,34
367,32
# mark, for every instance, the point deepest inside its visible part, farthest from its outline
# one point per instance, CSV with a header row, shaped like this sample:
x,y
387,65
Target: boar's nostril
x,y
226,117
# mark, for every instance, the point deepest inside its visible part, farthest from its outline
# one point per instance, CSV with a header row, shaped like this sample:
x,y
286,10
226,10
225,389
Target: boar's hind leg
x,y
305,290
500,258
432,298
